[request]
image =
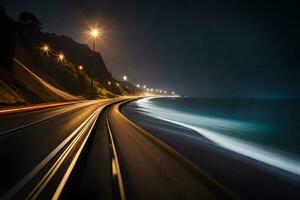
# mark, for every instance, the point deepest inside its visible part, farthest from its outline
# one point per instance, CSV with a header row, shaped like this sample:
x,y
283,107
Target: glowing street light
x,y
151,90
118,84
109,83
94,33
144,86
173,92
148,89
125,78
45,48
138,85
80,67
61,57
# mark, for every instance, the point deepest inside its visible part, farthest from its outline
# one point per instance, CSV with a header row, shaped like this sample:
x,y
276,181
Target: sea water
x,y
263,129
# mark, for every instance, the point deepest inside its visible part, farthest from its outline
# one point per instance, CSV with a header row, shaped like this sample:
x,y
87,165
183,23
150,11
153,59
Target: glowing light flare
x,y
60,57
95,33
138,85
45,48
144,86
109,82
80,67
125,78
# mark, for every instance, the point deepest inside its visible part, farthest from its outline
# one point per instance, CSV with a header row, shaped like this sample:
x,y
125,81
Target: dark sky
x,y
198,48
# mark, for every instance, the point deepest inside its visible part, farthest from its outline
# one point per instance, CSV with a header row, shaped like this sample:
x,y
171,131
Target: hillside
x,y
22,86
23,41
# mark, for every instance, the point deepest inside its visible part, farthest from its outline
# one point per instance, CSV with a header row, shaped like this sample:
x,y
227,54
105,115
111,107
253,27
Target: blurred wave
x,y
259,133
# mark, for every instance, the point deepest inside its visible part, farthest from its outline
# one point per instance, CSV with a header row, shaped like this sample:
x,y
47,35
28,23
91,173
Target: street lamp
x,y
138,85
60,57
144,86
45,48
109,83
94,33
80,67
124,78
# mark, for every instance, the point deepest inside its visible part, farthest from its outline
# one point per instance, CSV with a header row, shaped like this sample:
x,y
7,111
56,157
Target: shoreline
x,y
244,176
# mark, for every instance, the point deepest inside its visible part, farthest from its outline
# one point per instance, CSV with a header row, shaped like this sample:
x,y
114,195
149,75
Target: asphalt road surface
x,y
89,150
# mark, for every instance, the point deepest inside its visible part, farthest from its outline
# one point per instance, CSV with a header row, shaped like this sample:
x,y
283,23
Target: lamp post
x,y
137,86
94,33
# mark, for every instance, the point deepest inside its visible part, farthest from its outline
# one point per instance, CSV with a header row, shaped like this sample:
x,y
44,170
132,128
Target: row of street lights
x,y
155,91
150,90
95,33
60,57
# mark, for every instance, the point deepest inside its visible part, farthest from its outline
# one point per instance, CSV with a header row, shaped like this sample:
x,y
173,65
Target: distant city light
x,y
80,67
109,83
125,78
138,85
118,84
145,86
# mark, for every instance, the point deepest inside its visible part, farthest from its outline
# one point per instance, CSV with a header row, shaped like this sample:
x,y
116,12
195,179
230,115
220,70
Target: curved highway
x,y
90,150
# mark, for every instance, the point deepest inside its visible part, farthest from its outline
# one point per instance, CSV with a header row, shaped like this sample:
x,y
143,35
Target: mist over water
x,y
264,129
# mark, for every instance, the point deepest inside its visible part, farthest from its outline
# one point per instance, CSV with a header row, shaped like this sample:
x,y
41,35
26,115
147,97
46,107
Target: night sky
x,y
199,48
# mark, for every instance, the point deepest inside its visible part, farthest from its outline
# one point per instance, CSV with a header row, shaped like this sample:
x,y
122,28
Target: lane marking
x,y
17,187
115,163
72,165
45,119
81,105
55,167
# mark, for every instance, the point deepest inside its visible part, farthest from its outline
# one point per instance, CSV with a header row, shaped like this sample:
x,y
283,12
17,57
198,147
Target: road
x,y
90,150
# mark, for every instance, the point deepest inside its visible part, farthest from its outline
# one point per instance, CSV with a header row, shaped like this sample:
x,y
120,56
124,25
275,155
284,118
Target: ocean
x,y
263,129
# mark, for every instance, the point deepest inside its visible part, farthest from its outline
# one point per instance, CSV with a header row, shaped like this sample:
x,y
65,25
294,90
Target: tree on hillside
x,y
30,19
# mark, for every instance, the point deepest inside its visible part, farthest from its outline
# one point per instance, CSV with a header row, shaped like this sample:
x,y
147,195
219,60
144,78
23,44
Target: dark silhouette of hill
x,y
23,40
